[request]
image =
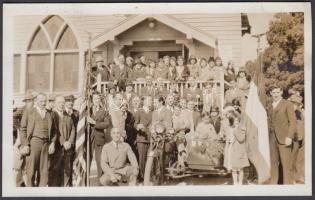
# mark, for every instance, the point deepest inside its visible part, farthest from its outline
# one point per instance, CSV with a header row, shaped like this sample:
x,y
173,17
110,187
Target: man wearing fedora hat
x,y
19,157
298,152
101,69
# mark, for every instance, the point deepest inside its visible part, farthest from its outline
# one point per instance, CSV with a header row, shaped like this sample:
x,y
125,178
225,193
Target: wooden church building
x,y
50,51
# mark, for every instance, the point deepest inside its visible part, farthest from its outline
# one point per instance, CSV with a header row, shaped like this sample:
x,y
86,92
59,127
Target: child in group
x,y
205,129
194,68
206,71
218,70
235,155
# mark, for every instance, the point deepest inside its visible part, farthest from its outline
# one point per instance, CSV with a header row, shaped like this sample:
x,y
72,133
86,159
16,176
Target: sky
x,y
260,24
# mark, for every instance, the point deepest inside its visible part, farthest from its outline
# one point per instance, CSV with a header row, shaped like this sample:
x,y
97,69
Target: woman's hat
x,y
28,96
192,57
214,109
99,59
211,59
111,86
70,98
295,99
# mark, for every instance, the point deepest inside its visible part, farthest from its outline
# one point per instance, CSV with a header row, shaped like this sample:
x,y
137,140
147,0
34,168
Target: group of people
x,y
123,120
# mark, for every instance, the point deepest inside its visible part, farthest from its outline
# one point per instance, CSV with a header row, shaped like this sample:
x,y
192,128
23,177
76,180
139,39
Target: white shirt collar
x,y
275,104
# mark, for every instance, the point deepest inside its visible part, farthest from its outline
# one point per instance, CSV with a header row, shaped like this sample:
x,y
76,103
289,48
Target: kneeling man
x,y
118,161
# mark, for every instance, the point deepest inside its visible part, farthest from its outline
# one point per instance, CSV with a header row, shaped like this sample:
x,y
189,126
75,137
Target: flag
x,y
80,164
82,149
256,123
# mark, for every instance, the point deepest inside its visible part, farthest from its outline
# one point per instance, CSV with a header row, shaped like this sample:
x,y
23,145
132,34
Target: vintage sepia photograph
x,y
142,97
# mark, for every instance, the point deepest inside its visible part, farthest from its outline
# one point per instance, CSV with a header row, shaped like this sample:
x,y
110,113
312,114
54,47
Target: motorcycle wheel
x,y
153,174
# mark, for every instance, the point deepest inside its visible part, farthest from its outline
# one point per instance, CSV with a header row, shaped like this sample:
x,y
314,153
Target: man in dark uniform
x,y
38,141
101,123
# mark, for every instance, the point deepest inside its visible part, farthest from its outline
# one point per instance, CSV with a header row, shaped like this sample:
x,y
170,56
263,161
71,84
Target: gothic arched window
x,y
53,57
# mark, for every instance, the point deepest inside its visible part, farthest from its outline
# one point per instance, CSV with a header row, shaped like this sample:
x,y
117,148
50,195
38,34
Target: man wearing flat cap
x,y
70,111
101,69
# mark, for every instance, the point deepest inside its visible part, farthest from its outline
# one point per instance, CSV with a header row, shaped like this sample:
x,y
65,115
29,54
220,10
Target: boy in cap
x,y
114,161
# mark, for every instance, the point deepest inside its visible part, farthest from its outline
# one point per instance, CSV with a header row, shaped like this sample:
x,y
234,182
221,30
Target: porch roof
x,y
191,33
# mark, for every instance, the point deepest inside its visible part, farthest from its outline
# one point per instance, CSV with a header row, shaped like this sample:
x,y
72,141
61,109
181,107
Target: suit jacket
x,y
105,74
185,73
120,75
100,133
164,117
130,99
160,72
190,93
144,118
114,158
282,120
130,129
148,91
28,124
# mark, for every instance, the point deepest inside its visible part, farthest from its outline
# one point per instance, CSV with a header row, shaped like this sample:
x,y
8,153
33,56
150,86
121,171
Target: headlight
x,y
159,128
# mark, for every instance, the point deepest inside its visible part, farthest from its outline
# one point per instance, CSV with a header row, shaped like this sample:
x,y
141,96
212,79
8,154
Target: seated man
x,y
114,161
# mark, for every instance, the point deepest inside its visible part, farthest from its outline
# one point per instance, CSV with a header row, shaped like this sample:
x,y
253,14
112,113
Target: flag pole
x,y
88,96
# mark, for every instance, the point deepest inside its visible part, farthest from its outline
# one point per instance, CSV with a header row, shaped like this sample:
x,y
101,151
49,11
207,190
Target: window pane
x,y
39,41
66,72
53,25
67,40
38,67
16,73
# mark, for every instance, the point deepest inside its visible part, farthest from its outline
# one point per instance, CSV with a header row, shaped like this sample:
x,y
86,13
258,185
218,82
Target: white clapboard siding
x,y
95,25
225,27
24,26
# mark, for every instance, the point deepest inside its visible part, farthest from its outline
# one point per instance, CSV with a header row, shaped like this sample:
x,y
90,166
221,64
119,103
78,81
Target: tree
x,y
283,60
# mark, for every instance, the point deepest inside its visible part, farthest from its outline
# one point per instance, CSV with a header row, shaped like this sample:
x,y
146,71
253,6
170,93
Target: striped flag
x,y
80,164
257,127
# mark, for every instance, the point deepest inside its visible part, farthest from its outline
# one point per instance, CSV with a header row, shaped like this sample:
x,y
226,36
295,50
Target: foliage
x,y
283,60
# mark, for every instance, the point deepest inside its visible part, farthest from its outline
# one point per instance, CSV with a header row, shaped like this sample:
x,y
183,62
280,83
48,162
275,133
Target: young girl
x,y
235,156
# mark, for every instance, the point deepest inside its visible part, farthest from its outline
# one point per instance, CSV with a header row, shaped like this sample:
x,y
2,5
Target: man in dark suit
x,y
101,124
66,135
282,125
69,101
38,141
162,114
121,73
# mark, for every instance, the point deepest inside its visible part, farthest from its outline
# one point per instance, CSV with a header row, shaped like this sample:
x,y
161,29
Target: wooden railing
x,y
102,87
